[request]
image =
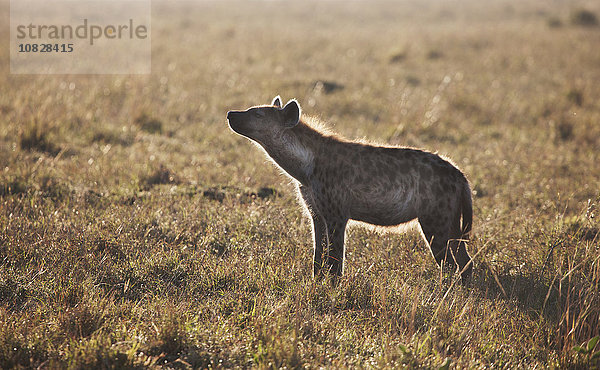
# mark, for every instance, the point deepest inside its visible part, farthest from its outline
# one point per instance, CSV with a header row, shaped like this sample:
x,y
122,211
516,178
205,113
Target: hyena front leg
x,y
320,241
319,230
336,230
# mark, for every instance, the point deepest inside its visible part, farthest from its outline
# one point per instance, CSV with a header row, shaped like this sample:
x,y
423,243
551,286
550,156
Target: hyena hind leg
x,y
437,238
447,245
459,250
458,246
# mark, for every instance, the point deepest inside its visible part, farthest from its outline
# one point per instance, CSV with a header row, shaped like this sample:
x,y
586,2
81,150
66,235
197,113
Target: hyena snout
x,y
237,121
235,116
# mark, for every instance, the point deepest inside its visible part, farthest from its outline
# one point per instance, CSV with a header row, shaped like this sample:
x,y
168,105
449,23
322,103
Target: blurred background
x,y
138,228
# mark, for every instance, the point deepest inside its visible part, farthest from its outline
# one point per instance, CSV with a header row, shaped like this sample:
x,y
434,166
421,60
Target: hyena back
x,y
342,180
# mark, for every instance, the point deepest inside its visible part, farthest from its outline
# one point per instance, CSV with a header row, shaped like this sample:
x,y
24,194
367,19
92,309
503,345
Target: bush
x,y
554,22
583,17
149,124
35,137
161,176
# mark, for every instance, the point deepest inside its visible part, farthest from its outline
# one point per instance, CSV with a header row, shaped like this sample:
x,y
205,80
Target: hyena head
x,y
264,122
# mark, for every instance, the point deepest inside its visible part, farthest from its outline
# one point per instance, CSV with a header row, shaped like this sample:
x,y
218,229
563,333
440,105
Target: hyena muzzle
x,y
341,180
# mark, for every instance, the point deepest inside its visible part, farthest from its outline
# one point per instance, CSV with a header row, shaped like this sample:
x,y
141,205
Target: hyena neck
x,y
294,152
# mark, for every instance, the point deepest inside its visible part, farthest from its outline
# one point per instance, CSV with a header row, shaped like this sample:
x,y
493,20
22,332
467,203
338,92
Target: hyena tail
x,y
467,211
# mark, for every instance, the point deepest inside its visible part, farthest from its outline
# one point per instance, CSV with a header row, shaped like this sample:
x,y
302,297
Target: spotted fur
x,y
341,180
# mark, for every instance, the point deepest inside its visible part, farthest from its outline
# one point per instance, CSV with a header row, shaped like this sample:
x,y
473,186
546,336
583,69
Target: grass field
x,y
136,230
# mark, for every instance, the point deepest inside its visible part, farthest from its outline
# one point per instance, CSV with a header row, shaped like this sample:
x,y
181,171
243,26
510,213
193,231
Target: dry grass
x,y
137,231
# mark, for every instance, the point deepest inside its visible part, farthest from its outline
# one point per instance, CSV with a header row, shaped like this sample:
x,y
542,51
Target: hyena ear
x,y
277,101
291,113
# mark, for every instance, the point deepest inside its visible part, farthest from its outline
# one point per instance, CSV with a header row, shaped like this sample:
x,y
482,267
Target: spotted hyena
x,y
341,180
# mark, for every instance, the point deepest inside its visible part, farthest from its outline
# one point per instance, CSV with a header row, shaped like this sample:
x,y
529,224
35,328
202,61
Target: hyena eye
x,y
259,114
